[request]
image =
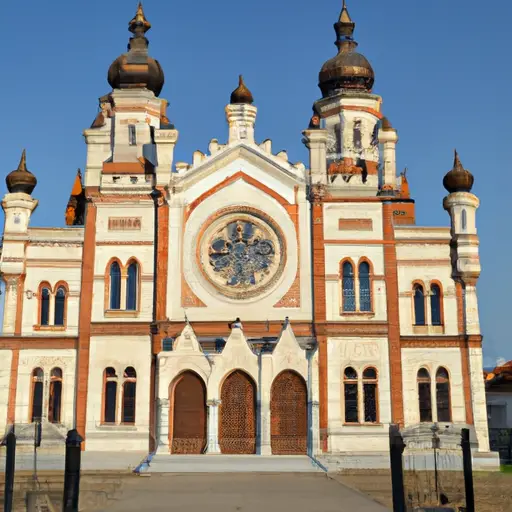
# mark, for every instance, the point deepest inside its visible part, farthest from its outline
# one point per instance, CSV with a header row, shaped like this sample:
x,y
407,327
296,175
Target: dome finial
x,y
241,95
21,180
139,23
458,179
345,30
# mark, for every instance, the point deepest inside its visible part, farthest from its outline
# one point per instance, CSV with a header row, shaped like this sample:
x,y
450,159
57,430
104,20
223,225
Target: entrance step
x,y
164,463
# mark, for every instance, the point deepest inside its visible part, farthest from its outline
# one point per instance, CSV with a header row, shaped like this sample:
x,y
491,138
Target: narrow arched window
x,y
351,396
110,395
129,395
464,220
443,395
370,395
131,286
348,288
365,294
115,286
45,307
60,306
435,304
37,394
55,402
419,305
425,395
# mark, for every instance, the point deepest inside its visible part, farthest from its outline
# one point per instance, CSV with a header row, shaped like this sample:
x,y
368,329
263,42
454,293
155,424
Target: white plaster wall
x,y
47,359
478,398
145,210
359,353
336,211
118,352
333,255
415,358
5,377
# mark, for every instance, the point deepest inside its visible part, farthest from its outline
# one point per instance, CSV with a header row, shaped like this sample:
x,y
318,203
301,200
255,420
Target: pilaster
x,y
316,141
213,426
265,447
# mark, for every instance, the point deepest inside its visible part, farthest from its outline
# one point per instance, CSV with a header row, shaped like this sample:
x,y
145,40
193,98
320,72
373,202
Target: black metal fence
x,y
501,441
71,474
401,497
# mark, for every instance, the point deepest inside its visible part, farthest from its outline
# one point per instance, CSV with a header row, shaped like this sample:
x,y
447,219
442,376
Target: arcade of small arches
x,y
52,311
232,424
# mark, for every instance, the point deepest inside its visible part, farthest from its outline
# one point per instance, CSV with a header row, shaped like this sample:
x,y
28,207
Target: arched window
x,y
115,286
419,305
55,402
424,395
131,286
351,396
443,395
60,306
370,395
110,395
464,220
37,394
348,288
45,307
365,297
129,395
435,304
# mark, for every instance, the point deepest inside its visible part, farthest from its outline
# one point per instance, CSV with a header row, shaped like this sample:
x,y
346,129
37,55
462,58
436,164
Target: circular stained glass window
x,y
242,254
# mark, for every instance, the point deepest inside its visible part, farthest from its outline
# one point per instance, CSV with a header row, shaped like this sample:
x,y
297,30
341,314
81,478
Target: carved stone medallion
x,y
242,254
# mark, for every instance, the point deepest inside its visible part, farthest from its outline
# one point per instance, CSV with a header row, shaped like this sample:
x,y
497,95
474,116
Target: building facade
x,y
241,303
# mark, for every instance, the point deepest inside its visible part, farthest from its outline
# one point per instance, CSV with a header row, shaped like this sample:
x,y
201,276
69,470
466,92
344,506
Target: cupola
x,y
135,69
21,180
349,69
458,179
241,95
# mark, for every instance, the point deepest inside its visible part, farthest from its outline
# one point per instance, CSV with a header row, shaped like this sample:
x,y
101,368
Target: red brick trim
x,y
84,321
355,224
37,342
395,355
228,181
13,384
125,328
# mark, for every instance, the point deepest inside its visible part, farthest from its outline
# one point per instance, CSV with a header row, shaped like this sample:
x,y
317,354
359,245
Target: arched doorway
x,y
187,430
289,414
237,426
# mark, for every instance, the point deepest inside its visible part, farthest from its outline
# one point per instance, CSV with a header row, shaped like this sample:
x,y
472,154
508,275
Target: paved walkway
x,y
240,492
164,463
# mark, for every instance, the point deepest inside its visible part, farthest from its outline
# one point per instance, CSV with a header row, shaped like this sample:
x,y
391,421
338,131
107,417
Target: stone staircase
x,y
165,463
53,438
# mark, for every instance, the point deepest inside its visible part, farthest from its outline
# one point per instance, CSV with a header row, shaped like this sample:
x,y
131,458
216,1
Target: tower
x,y
18,205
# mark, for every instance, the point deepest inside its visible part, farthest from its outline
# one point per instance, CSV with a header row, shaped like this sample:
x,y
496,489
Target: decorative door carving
x,y
289,415
237,431
188,429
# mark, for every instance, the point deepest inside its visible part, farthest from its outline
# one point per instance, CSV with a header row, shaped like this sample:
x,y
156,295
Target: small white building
x,y
352,317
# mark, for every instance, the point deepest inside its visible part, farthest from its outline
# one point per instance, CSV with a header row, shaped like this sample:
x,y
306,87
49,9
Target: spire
x,y
21,180
345,30
241,94
458,179
139,25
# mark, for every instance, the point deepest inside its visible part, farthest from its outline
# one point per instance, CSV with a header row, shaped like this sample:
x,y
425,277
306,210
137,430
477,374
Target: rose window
x,y
242,254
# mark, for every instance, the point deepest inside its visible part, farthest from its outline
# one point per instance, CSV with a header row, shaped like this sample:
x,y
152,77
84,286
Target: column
x,y
213,426
10,304
265,447
315,427
163,423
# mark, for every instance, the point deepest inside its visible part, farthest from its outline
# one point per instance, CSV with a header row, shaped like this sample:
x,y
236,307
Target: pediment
x,y
237,347
187,342
283,171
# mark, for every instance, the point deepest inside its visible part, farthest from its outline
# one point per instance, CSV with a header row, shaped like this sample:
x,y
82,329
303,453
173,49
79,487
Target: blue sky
x,y
442,67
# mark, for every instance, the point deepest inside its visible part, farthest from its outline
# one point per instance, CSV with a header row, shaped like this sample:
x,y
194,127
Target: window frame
x,y
428,382
351,382
34,380
436,283
417,285
107,379
447,381
60,285
44,285
375,382
129,380
356,277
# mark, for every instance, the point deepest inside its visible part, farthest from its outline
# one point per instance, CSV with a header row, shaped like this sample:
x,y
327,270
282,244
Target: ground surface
x,y
244,492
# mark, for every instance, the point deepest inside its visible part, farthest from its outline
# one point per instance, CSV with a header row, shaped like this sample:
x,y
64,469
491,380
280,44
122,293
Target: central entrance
x,y
237,426
188,402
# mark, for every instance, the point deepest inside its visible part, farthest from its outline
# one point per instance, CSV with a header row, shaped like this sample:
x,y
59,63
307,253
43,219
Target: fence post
x,y
10,461
396,449
72,472
468,470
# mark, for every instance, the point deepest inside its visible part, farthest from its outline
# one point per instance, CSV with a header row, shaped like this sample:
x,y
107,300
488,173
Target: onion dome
x,y
135,69
458,179
21,180
241,95
386,125
349,69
